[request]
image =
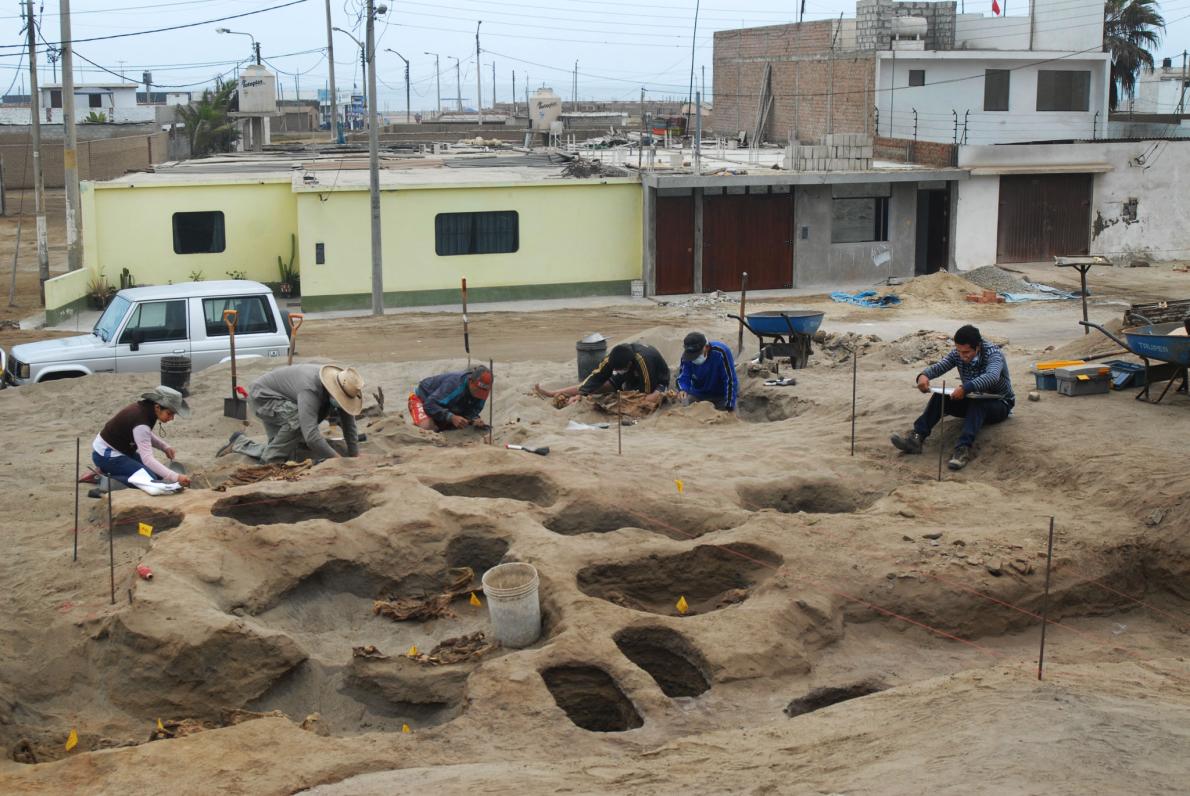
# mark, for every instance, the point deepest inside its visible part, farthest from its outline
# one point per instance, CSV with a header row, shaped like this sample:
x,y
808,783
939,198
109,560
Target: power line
x,y
166,29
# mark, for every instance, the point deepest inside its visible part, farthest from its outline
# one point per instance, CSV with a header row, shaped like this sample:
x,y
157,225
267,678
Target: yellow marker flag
x,y
681,487
160,726
405,728
475,600
72,740
683,606
412,653
144,529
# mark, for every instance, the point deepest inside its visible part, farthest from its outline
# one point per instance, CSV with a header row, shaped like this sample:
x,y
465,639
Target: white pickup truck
x,y
143,324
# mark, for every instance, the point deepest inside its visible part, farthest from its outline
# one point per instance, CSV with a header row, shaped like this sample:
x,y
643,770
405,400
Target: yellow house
x,y
514,231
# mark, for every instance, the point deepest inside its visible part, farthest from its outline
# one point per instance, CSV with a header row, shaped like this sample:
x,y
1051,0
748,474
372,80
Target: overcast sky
x,y
620,46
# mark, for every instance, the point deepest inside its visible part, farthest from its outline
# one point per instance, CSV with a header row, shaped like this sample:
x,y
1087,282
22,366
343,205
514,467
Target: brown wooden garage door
x,y
747,232
675,244
1043,216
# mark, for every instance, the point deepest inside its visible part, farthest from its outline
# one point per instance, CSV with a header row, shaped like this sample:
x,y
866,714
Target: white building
x,y
1161,91
1007,79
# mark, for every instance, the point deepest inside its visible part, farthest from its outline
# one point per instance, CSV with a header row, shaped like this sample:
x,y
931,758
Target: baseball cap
x,y
481,380
693,345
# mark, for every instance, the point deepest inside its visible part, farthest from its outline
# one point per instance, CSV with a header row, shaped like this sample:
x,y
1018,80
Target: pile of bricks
x,y
985,297
838,152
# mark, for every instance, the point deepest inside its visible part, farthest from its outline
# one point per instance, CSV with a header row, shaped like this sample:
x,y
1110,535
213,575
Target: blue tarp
x,y
866,298
1044,293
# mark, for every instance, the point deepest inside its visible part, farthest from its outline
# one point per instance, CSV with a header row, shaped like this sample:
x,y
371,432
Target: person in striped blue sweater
x,y
983,397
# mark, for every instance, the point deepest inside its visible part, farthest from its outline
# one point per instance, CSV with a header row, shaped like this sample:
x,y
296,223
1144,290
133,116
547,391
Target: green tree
x,y
1131,29
208,125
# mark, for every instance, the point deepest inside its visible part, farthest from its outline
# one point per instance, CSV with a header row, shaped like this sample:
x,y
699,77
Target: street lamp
x,y
458,85
438,80
406,60
363,59
255,44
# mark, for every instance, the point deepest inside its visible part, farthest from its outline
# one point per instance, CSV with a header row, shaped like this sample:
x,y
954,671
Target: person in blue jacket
x,y
451,400
707,373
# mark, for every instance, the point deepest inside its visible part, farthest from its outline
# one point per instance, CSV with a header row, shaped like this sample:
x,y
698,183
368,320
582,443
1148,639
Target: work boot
x,y
909,442
959,459
231,443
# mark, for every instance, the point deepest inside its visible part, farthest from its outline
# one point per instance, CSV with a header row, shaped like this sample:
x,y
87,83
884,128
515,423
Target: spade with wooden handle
x,y
295,323
235,406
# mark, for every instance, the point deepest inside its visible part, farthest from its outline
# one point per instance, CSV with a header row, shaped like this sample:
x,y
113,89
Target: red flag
x,y
996,7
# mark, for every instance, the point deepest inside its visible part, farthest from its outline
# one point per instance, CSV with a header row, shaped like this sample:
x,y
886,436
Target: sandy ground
x,y
804,568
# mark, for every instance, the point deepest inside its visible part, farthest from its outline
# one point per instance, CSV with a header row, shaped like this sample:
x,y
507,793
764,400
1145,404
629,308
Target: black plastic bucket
x,y
175,372
590,352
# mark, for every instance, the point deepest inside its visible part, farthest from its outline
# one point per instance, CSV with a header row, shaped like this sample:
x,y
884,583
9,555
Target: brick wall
x,y
816,90
100,159
904,150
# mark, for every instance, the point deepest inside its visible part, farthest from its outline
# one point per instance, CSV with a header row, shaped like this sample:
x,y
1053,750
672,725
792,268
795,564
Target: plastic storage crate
x,y
1043,372
1083,379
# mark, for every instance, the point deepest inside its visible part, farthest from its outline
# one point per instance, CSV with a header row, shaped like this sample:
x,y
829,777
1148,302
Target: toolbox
x,y
1083,379
1043,372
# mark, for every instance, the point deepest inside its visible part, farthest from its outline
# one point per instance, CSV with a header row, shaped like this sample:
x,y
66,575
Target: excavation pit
x,y
476,551
160,520
708,578
668,657
339,504
766,407
346,707
821,698
331,611
812,496
588,516
526,487
591,699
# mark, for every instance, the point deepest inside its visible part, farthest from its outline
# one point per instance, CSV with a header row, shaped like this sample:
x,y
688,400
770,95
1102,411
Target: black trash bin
x,y
590,352
175,372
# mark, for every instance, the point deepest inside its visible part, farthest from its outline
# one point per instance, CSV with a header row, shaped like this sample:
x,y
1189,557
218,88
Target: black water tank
x,y
175,372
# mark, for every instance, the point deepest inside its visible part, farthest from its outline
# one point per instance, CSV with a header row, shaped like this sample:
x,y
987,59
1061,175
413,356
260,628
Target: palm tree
x,y
208,125
1131,28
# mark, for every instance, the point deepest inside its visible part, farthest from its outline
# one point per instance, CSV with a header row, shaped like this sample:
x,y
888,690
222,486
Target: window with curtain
x,y
476,233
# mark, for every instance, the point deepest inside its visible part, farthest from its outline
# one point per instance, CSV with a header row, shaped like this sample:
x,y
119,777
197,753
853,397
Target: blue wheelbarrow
x,y
1168,343
790,333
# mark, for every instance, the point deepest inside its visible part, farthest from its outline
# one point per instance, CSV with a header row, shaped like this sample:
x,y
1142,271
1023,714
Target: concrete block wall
x,y
837,152
816,92
904,150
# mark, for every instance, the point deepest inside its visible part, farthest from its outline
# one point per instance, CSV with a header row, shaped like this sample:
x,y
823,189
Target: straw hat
x,y
345,385
168,398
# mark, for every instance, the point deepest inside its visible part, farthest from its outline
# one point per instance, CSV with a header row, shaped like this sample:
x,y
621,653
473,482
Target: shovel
x,y
235,406
295,323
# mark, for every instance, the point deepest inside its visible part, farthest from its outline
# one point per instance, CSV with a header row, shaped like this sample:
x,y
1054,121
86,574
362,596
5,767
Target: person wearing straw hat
x,y
451,400
291,402
123,449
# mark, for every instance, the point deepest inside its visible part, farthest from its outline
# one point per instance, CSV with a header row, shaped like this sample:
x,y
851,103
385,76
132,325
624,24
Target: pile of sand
x,y
938,288
1089,345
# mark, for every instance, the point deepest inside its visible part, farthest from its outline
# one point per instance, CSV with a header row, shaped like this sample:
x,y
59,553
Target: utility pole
x,y
493,86
574,90
1182,92
330,57
43,252
458,85
437,81
374,162
70,166
478,76
514,93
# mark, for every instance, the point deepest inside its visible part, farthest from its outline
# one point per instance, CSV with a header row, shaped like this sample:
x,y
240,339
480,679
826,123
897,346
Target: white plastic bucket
x,y
513,604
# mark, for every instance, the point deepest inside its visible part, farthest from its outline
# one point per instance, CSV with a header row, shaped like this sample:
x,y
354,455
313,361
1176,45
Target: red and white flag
x,y
996,7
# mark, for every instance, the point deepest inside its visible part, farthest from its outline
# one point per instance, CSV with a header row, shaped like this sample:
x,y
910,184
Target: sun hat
x,y
693,345
481,380
345,385
168,398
